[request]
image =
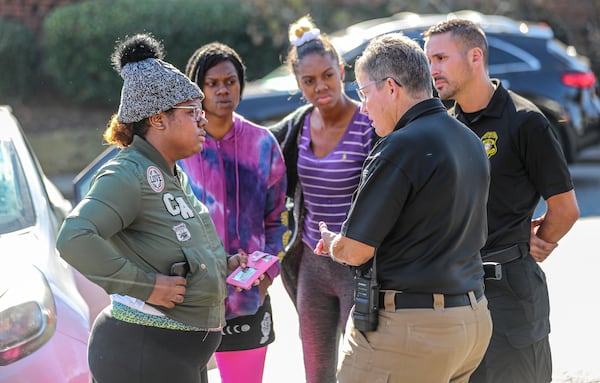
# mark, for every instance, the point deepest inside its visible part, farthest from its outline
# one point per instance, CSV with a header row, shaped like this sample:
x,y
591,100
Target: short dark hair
x,y
469,34
209,55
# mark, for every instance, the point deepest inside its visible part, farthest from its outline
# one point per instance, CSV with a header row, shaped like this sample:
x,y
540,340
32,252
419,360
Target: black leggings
x,y
121,352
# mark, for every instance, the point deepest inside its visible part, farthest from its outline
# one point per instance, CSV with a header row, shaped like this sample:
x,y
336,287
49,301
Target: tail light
x,y
580,80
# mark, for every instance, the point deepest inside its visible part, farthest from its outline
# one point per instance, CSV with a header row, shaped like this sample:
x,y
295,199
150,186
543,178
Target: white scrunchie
x,y
306,37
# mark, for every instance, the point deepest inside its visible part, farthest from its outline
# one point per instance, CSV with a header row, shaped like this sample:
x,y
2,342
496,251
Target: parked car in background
x,y
81,182
525,56
44,315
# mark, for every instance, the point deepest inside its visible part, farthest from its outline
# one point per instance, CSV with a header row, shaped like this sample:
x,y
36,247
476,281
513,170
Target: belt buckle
x,y
492,271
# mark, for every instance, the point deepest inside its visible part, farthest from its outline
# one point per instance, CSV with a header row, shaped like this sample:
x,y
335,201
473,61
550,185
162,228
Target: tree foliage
x,y
78,39
17,59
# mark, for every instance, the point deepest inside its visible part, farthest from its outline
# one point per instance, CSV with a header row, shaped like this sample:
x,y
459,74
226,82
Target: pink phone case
x,y
258,263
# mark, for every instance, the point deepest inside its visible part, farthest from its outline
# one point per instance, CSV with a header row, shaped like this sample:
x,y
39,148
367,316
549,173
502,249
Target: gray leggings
x,y
325,298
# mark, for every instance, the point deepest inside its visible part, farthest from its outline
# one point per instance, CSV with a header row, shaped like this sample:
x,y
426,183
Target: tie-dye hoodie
x,y
241,178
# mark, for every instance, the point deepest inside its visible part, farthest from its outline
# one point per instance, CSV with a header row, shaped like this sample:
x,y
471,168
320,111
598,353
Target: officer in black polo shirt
x,y
421,205
526,162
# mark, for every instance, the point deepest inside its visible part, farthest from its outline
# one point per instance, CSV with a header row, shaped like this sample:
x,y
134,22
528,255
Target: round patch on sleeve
x,y
155,178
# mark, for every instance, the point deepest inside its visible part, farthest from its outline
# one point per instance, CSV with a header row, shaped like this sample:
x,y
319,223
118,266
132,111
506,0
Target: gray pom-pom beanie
x,y
152,86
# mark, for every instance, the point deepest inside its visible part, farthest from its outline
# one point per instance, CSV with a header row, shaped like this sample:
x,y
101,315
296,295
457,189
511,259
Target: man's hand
x,y
539,249
324,243
342,249
561,213
167,291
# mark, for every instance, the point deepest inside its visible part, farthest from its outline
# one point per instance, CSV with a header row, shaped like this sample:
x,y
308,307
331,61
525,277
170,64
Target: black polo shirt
x,y
526,161
421,202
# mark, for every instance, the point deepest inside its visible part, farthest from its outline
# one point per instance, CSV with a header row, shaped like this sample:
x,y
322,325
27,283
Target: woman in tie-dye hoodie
x,y
240,176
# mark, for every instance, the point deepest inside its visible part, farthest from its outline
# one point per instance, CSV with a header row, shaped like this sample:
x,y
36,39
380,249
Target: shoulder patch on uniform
x,y
155,178
489,143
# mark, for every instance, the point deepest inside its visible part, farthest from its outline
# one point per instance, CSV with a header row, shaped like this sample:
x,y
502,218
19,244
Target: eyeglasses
x,y
363,97
199,114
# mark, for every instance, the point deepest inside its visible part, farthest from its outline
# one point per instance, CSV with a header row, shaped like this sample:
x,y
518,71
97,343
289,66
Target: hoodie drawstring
x,y
237,184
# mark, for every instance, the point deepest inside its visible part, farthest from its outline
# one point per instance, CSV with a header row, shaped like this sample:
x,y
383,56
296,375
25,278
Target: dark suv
x,y
525,56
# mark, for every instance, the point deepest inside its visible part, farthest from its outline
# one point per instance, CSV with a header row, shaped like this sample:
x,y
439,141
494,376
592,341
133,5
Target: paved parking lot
x,y
572,272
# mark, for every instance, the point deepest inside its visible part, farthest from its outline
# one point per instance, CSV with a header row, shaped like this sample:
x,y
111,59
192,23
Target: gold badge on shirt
x,y
489,142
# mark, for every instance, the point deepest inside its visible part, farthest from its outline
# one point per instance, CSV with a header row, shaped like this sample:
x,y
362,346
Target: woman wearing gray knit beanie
x,y
142,235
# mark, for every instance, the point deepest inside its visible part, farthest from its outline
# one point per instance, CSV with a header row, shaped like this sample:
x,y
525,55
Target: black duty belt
x,y
493,259
505,255
404,300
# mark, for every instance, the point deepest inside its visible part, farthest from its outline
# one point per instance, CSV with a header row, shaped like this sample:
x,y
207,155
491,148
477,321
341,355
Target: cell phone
x,y
258,263
180,269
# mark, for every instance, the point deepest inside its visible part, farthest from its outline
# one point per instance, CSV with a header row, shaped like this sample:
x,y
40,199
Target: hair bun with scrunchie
x,y
303,31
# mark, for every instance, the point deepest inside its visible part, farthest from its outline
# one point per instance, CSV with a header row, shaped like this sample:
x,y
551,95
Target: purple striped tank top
x,y
329,182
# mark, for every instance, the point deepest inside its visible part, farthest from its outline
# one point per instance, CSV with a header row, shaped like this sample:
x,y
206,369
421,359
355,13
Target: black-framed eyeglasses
x,y
363,97
199,113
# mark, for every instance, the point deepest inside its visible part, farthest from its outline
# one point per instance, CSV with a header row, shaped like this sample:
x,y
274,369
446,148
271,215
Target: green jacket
x,y
136,221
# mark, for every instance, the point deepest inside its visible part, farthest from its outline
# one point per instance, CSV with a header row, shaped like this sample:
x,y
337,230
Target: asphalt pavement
x,y
572,273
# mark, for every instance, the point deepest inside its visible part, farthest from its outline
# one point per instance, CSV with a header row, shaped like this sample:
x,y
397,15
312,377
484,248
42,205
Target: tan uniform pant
x,y
418,346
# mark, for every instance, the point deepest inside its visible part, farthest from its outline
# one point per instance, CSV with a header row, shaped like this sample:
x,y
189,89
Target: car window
x,y
568,55
500,57
81,183
506,57
349,59
16,207
351,54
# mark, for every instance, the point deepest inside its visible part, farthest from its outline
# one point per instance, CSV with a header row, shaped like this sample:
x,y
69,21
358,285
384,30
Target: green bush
x,y
18,53
79,39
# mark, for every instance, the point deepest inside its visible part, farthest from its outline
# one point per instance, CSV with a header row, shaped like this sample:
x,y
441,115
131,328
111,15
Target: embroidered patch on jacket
x,y
182,232
489,143
155,178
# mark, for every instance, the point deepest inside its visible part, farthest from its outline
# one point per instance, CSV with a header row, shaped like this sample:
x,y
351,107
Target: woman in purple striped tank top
x,y
324,145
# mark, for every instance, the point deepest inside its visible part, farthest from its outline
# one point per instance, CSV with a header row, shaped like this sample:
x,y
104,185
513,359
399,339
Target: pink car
x,y
44,313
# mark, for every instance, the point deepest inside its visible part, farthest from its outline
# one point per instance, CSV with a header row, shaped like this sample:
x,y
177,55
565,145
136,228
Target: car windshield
x,y
16,206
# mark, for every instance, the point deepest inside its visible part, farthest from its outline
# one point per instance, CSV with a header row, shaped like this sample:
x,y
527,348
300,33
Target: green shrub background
x,y
18,50
70,55
78,39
